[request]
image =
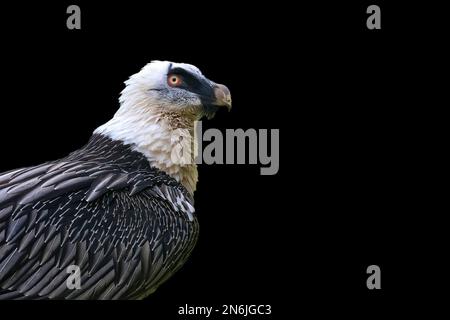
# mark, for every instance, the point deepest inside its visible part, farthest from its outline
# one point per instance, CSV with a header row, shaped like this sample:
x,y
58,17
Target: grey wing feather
x,y
127,232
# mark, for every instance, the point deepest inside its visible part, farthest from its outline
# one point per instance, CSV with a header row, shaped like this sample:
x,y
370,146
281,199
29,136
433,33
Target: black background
x,y
344,98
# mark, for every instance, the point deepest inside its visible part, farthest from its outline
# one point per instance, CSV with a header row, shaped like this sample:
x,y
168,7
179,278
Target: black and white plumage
x,y
117,208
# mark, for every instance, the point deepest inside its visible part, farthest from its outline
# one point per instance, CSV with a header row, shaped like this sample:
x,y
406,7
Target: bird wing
x,y
127,232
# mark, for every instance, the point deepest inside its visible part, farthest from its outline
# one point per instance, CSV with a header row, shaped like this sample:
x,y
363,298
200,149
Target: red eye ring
x,y
174,80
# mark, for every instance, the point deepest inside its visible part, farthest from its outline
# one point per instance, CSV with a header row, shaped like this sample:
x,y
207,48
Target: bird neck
x,y
163,138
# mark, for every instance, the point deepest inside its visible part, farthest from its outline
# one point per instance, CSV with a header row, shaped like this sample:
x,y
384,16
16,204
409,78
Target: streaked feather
x,y
102,208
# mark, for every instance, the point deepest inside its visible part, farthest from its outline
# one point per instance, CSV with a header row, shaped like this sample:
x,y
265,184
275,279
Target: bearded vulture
x,y
120,209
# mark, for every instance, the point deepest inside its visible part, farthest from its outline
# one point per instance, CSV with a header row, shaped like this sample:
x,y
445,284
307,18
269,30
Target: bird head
x,y
158,109
175,90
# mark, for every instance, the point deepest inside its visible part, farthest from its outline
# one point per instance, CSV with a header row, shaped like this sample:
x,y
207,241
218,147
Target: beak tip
x,y
223,96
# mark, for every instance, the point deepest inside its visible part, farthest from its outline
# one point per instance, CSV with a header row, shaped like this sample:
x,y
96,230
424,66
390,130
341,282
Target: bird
x,y
120,210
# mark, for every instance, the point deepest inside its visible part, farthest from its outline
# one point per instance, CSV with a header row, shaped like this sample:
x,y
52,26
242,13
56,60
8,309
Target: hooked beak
x,y
222,96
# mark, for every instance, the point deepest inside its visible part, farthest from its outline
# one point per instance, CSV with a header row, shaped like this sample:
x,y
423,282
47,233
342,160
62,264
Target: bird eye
x,y
174,80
